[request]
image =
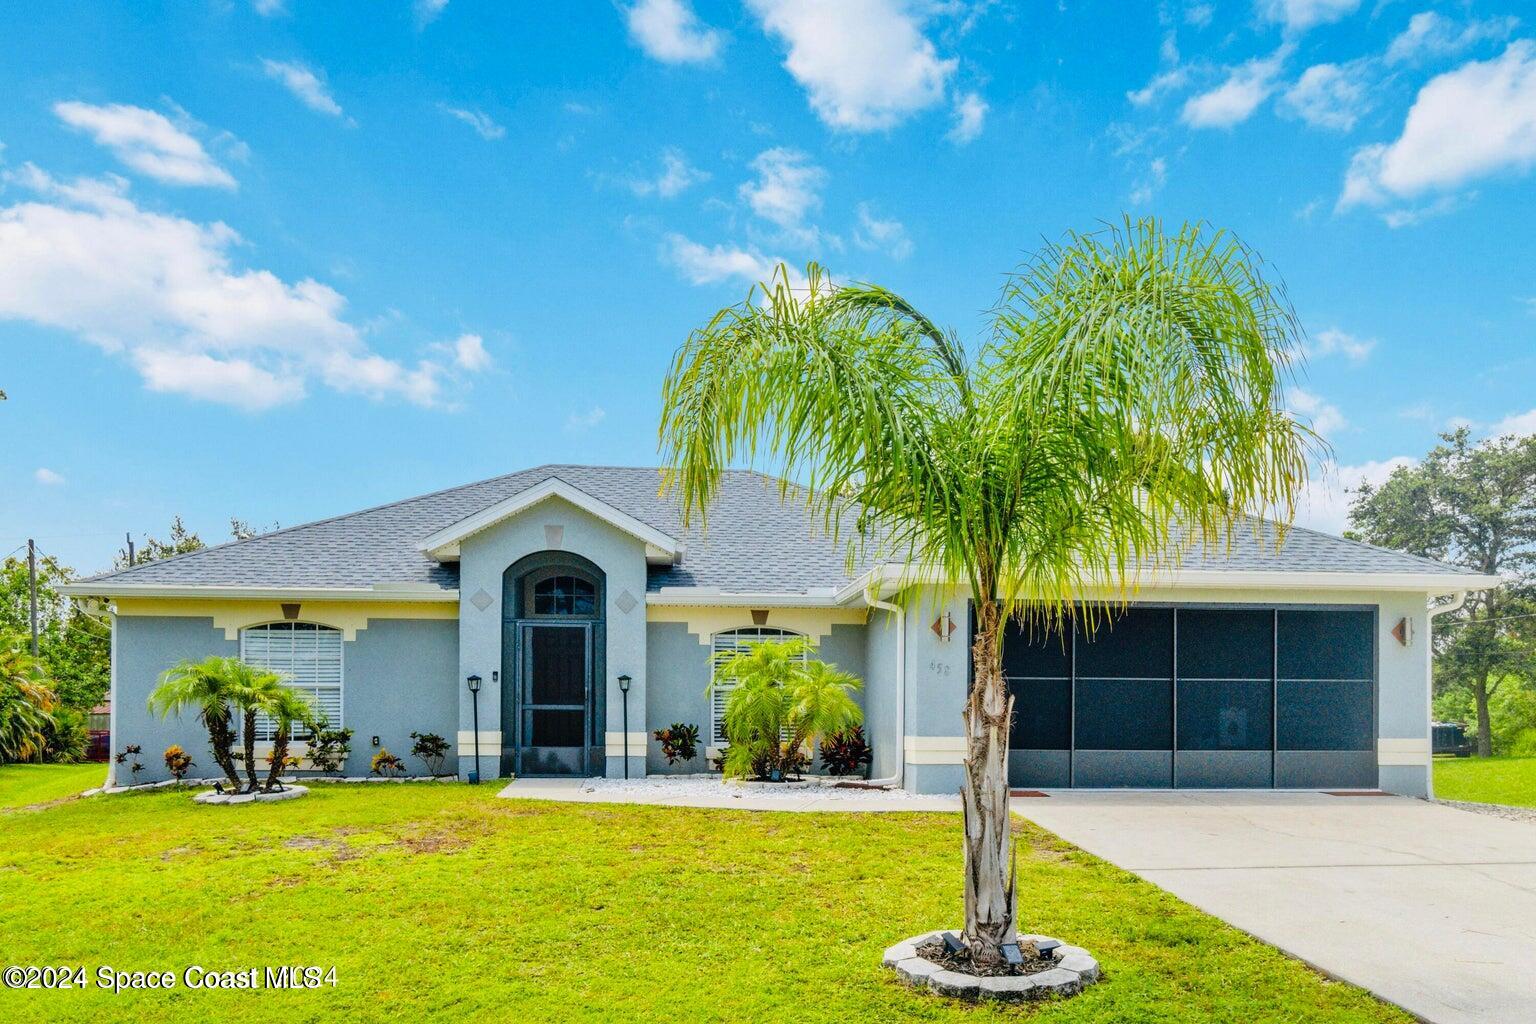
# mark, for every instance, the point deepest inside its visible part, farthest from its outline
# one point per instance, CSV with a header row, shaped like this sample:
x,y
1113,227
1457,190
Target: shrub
x,y
387,765
131,750
679,742
432,750
330,748
66,739
178,762
846,753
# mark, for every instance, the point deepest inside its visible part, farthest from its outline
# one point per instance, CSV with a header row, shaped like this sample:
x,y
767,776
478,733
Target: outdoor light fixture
x,y
1046,948
1011,953
624,682
474,689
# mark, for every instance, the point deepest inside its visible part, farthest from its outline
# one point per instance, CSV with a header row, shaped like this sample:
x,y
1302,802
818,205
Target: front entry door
x,y
554,693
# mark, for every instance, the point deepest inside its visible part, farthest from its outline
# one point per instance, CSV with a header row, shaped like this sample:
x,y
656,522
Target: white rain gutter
x,y
901,688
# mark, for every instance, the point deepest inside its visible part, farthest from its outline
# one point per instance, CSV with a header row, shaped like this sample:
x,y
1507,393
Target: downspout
x,y
901,688
1454,604
111,779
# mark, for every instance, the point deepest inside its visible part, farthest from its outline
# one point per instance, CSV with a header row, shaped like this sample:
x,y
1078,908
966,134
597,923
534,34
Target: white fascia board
x,y
886,579
384,592
444,544
715,597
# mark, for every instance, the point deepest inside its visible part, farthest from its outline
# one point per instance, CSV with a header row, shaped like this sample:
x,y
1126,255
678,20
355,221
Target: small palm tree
x,y
285,707
1127,405
217,688
779,703
27,702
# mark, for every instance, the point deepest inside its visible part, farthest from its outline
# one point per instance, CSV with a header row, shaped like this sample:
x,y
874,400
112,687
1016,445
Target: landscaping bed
x,y
443,903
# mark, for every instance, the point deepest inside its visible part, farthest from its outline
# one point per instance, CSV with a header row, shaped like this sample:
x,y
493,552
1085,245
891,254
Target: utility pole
x,y
129,538
32,588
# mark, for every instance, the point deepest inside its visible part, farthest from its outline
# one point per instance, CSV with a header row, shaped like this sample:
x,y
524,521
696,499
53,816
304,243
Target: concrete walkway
x,y
1430,907
686,793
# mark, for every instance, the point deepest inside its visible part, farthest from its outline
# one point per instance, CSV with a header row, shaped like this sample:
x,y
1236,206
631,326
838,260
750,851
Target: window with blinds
x,y
307,656
723,645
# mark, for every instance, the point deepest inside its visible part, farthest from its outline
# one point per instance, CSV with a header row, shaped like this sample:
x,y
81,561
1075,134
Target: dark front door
x,y
555,692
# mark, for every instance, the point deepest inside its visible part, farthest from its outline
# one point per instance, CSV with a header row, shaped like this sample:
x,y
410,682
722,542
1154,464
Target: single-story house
x,y
1302,666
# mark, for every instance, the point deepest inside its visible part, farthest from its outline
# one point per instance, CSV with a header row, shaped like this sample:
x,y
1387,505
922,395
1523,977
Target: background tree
x,y
74,645
1471,504
179,541
1128,403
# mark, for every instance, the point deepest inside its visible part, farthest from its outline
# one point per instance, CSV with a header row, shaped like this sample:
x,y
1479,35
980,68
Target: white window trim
x,y
263,731
719,694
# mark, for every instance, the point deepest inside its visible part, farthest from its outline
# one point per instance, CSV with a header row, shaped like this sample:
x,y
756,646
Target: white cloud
x,y
671,32
786,190
676,176
269,8
1147,186
48,477
479,120
1300,15
877,234
427,11
1324,504
1333,341
163,292
305,84
865,64
970,118
580,422
1477,120
1408,216
1520,423
702,264
1235,99
147,141
1431,35
469,353
1162,82
1324,416
1199,15
1329,96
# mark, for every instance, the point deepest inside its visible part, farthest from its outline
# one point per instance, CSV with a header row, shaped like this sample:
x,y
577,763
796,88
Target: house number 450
x,y
939,668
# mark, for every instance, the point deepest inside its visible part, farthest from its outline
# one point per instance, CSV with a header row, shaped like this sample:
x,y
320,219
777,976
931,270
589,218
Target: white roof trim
x,y
885,579
444,544
401,592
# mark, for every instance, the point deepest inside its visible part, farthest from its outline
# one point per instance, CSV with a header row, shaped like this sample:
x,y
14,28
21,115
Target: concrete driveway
x,y
1430,907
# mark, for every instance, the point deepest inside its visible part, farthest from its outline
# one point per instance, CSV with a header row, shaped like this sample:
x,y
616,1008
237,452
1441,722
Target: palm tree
x,y
27,702
217,688
779,702
285,707
820,698
1128,404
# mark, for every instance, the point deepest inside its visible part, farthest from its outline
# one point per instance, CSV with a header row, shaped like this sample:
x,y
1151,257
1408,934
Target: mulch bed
x,y
935,952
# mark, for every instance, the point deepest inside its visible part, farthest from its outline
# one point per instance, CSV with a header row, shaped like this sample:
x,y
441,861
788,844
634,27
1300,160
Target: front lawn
x,y
24,784
444,903
1487,780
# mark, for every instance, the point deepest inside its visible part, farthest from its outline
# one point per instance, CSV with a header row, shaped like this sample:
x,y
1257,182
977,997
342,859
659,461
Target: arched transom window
x,y
723,645
564,595
307,655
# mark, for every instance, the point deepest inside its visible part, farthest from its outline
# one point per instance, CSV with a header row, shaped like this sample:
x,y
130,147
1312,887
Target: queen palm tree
x,y
218,689
1127,404
27,702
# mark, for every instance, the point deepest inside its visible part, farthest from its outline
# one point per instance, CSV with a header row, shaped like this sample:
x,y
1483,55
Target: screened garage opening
x,y
1191,697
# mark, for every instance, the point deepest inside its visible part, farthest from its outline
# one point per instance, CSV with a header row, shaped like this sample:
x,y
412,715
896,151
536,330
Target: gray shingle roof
x,y
755,542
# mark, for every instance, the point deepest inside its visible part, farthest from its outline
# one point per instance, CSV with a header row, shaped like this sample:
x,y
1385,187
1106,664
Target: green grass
x,y
1487,780
444,903
24,784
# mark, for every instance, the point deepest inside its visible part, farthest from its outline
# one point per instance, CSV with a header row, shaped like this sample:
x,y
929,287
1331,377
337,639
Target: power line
x,y
1479,622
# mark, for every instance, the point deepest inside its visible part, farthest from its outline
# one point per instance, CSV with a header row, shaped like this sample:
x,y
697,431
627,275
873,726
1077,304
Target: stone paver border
x,y
1074,971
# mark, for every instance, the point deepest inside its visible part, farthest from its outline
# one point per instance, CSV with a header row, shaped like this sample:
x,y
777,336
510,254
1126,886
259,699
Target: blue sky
x,y
278,261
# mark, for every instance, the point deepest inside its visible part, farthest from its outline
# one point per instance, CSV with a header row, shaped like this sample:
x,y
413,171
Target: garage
x,y
1196,697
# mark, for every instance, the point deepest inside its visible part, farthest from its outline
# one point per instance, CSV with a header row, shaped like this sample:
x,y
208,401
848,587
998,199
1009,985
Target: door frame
x,y
524,653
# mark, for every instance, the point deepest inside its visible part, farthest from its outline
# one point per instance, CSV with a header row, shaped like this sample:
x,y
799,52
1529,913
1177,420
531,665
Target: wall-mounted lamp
x,y
474,690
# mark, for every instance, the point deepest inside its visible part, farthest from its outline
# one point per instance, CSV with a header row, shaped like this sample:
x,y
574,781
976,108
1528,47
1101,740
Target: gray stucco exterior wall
x,y
397,678
880,694
485,556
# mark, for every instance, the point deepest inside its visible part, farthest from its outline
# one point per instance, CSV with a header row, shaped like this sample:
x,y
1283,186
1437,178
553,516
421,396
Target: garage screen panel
x,y
1038,665
1325,692
1123,719
1225,697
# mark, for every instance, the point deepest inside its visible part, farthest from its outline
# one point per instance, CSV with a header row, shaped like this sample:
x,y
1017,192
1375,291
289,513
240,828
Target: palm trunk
x,y
279,756
220,739
250,747
989,881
